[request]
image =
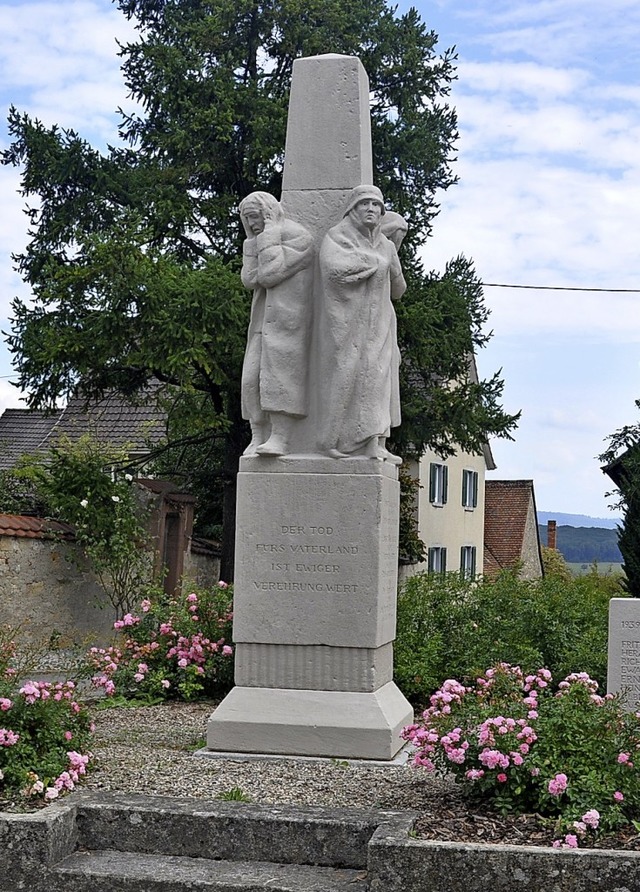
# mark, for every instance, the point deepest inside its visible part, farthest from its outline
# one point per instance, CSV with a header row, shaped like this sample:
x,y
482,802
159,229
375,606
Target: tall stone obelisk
x,y
316,537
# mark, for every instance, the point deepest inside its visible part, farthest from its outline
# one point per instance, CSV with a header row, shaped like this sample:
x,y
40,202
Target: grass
x,y
604,568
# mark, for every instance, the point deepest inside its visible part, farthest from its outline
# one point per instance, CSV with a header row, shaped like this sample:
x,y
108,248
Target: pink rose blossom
x,y
501,778
558,785
30,691
227,651
8,738
591,818
618,796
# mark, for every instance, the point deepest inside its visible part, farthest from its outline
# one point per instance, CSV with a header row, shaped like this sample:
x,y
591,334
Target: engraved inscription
x,y
630,664
320,541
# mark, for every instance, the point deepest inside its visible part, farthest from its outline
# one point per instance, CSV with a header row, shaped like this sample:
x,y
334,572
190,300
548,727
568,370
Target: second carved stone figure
x,y
360,276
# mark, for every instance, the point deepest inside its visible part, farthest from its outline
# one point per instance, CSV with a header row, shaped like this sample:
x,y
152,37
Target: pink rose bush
x,y
565,753
176,648
44,733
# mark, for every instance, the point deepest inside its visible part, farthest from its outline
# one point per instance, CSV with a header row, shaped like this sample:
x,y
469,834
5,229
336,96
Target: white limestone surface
x,y
328,128
623,668
316,553
344,725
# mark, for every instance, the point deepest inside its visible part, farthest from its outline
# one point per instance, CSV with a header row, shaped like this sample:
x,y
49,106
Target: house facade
x,y
450,511
511,537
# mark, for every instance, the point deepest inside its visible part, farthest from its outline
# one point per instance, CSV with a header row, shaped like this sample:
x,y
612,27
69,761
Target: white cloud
x,y
10,396
58,62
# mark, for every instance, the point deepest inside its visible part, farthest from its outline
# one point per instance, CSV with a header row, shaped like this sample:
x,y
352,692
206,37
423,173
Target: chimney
x,y
551,534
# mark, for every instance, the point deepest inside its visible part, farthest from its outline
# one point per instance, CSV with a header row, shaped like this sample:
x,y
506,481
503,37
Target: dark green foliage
x,y
585,544
133,255
448,628
18,495
629,543
622,464
411,548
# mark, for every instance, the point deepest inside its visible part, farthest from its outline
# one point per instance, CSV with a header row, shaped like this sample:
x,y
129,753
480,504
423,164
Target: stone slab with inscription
x,y
317,566
623,670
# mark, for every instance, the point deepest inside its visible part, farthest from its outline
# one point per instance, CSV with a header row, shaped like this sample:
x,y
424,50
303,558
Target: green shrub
x,y
174,648
450,628
44,733
512,741
431,631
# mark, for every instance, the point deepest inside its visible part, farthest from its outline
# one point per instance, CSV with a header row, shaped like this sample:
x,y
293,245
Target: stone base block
x,y
313,668
334,724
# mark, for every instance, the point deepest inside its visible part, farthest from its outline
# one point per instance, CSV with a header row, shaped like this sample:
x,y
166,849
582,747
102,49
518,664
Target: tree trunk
x,y
236,442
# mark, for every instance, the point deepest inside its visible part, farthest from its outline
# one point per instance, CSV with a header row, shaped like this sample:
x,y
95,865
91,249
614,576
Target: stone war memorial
x,y
623,665
318,492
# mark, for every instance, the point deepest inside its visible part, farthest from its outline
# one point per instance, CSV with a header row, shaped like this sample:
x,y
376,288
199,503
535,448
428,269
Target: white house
x,y
450,510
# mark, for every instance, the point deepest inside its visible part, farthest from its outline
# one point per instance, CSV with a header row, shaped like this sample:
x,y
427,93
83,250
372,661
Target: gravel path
x,y
151,750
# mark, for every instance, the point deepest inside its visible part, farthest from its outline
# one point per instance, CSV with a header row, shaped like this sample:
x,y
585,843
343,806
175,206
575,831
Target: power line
x,y
562,288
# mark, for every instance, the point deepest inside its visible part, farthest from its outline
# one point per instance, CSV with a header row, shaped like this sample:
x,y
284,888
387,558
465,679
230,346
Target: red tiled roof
x,y
34,527
507,504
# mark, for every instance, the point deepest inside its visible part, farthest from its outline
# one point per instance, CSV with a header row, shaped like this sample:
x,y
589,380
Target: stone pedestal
x,y
314,611
623,668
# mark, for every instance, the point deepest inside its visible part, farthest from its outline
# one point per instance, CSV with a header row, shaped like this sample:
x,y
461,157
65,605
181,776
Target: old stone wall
x,y
47,589
202,568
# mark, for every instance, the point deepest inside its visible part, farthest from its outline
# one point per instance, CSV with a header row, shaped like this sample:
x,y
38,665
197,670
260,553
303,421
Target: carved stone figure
x,y
360,275
277,265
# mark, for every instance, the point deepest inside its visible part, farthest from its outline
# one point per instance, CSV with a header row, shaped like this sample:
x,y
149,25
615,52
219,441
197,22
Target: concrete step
x,y
227,830
115,871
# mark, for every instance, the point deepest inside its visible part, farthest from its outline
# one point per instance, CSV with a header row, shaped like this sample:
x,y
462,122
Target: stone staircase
x,y
129,843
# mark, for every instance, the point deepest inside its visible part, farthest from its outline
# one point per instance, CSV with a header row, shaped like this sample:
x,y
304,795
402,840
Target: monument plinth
x,y
314,617
318,493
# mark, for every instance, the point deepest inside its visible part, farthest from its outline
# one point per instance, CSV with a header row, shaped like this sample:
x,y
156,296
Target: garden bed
x,y
151,750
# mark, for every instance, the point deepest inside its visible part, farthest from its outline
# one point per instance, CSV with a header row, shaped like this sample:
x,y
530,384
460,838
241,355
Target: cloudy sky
x,y
548,99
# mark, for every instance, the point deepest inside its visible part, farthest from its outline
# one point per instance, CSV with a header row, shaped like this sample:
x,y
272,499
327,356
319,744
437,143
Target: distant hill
x,y
583,545
578,520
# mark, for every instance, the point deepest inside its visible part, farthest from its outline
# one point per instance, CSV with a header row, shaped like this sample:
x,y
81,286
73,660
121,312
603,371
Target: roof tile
x,y
34,527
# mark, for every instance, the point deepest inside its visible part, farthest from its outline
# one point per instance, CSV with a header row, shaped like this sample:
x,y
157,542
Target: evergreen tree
x,y
134,253
622,465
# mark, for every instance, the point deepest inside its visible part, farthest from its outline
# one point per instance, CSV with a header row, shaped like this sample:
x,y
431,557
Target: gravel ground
x,y
152,750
